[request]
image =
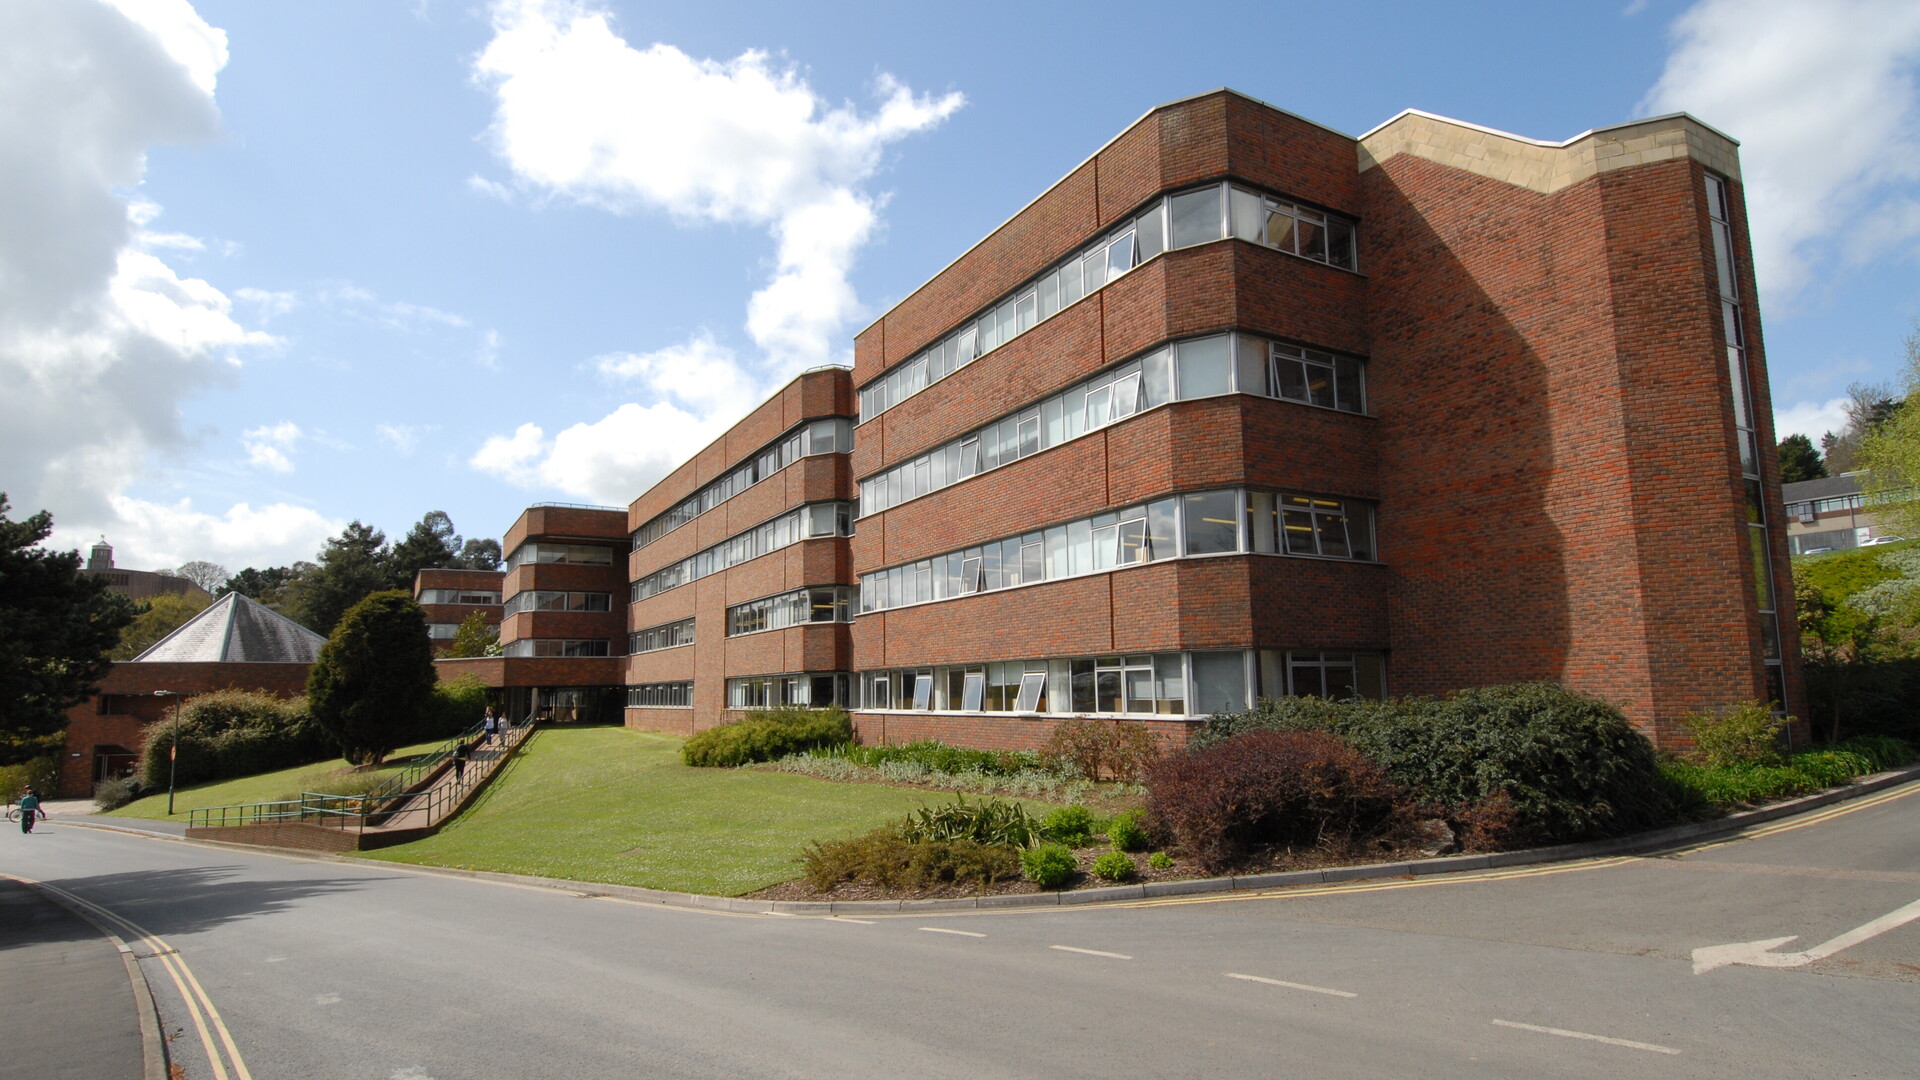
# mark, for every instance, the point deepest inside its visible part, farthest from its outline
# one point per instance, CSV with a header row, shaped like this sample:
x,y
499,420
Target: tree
x,y
56,626
1799,460
479,555
353,564
156,619
474,637
431,543
374,680
207,575
261,585
1870,406
1891,454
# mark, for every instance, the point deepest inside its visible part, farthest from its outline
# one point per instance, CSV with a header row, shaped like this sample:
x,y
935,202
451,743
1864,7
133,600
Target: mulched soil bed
x,y
1267,861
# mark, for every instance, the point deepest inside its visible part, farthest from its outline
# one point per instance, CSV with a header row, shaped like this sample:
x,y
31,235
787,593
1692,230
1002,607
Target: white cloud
x,y
1810,418
100,339
583,115
488,354
1821,94
492,189
268,305
149,535
267,447
404,438
393,314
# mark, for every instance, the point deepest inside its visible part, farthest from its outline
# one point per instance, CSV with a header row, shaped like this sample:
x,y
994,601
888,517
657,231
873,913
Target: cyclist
x,y
29,809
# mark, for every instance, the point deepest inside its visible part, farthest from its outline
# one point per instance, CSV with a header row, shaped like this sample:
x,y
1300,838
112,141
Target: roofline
x,y
170,634
1284,112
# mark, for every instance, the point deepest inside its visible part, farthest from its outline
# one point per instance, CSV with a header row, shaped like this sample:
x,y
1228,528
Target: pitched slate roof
x,y
237,630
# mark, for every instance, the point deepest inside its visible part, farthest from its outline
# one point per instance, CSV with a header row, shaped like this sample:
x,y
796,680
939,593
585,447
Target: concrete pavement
x,y
71,1010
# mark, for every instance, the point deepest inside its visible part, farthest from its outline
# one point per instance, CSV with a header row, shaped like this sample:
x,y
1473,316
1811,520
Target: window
x,y
805,523
442,631
1181,220
1321,674
576,554
558,647
830,436
1196,368
458,596
1212,522
816,603
665,636
558,600
1033,687
674,695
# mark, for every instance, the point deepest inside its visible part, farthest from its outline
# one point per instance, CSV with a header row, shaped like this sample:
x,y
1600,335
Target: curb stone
x,y
1649,841
153,1042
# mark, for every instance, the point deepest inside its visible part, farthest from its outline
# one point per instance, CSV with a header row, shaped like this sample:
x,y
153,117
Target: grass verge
x,y
265,787
619,806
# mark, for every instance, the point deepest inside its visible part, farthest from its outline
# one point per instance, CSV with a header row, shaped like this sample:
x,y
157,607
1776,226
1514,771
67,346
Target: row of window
x,y
805,523
1199,523
442,631
558,647
558,600
1855,501
775,691
1202,367
665,636
1214,212
1160,684
813,604
819,437
666,695
457,596
574,554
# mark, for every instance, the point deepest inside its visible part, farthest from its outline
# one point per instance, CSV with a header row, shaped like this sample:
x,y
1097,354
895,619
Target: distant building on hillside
x,y
136,584
1833,513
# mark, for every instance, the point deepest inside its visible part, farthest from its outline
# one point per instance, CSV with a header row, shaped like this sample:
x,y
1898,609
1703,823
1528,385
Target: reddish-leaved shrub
x,y
1297,788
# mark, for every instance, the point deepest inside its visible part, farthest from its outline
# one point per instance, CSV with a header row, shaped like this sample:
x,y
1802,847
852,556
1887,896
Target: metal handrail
x,y
384,802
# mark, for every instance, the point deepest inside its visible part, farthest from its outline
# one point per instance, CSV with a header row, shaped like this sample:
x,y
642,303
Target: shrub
x,y
1160,860
42,774
457,705
885,857
1049,865
1069,825
1571,765
1883,752
1113,866
231,733
1125,831
991,822
1298,788
768,734
117,792
1744,734
1728,786
1117,749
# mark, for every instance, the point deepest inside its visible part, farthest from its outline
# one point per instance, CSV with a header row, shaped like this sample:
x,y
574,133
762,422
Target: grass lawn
x,y
266,787
613,805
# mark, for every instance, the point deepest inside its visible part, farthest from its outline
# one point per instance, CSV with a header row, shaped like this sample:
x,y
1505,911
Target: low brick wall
x,y
299,835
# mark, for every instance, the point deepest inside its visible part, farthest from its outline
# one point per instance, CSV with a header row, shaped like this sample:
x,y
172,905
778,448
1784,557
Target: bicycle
x,y
13,814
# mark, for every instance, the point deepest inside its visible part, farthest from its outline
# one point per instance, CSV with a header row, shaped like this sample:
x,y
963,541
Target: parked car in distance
x,y
1882,540
1816,551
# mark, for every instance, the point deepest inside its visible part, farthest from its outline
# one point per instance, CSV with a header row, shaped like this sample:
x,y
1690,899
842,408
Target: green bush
x,y
1049,865
886,858
1069,825
1160,860
42,774
1116,749
458,705
1705,788
1125,831
1883,752
1744,734
939,757
768,734
1113,866
1571,766
117,792
991,822
231,733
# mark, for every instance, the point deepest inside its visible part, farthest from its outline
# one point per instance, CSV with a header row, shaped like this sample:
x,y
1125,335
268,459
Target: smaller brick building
x,y
451,597
236,644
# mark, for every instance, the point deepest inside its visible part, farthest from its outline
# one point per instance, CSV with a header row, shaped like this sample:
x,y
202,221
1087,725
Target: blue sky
x,y
266,268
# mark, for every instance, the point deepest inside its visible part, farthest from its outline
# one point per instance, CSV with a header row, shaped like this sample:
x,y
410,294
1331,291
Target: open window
x,y
923,691
971,571
1033,685
1126,395
973,691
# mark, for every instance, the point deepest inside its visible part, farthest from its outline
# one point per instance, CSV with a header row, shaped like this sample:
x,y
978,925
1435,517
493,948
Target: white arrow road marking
x,y
1761,954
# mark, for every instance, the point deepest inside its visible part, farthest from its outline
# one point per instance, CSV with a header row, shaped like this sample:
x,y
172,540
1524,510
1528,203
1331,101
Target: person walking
x,y
491,725
29,809
460,755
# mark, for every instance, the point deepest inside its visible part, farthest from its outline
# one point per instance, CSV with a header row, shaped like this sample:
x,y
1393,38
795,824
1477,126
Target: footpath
x,y
71,1012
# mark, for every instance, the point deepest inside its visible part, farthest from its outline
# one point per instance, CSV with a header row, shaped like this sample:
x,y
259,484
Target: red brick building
x,y
451,597
1247,407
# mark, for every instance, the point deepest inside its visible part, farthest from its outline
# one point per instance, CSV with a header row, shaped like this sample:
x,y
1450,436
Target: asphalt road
x,y
329,969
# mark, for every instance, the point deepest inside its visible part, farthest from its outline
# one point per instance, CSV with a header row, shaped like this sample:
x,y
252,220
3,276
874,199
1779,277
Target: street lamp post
x,y
173,751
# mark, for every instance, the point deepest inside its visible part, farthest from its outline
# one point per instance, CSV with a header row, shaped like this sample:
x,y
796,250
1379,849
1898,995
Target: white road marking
x,y
944,930
1091,952
1590,1037
326,999
1761,954
1291,985
856,922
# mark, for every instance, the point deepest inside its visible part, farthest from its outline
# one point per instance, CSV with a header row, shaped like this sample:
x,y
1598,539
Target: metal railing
x,y
393,799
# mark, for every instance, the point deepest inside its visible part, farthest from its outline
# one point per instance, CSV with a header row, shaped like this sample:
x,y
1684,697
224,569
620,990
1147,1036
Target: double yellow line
x,y
199,1006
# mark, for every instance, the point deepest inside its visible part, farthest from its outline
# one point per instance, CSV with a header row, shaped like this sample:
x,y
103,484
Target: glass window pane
x,y
1083,686
1032,684
1350,393
1106,547
1119,256
1245,210
1250,367
1156,371
1126,394
1053,426
1280,227
1049,296
1307,681
1080,546
1312,235
1298,525
923,690
973,694
1762,572
1211,521
967,346
1009,322
1024,313
1161,540
1219,682
1340,243
1133,542
1292,374
1333,535
1058,563
1320,384
1196,217
1260,521
1107,692
1203,367
1098,406
1150,234
1070,286
1360,530
1094,269
1033,554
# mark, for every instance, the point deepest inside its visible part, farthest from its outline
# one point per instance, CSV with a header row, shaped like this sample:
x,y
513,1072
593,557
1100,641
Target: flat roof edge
x,y
1562,144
